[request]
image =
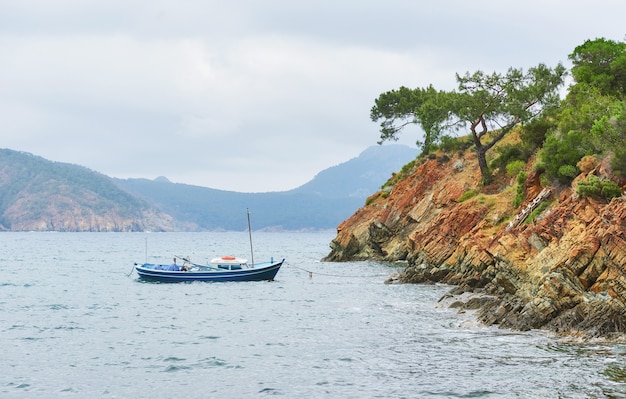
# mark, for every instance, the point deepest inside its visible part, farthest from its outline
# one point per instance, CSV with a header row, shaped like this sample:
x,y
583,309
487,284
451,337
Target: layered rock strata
x,y
563,269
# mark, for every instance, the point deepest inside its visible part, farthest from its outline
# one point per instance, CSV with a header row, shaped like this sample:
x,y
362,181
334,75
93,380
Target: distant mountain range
x,y
41,195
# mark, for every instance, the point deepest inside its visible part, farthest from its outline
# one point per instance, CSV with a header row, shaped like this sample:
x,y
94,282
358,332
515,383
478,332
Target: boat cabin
x,y
229,263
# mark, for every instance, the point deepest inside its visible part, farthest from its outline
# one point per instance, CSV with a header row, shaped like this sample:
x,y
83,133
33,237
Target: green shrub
x,y
397,176
510,153
520,192
595,187
407,168
448,144
534,133
560,153
452,144
610,190
486,200
391,181
467,195
506,154
513,168
568,171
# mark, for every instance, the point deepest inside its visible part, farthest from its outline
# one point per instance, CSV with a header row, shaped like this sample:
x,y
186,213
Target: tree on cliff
x,y
489,105
592,118
425,107
497,103
601,63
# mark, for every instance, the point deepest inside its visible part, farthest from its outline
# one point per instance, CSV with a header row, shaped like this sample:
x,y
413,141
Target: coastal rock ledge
x,y
564,271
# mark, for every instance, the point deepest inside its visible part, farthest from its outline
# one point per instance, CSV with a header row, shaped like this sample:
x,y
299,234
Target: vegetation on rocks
x,y
488,105
539,241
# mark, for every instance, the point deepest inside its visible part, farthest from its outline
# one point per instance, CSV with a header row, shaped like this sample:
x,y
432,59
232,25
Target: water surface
x,y
74,324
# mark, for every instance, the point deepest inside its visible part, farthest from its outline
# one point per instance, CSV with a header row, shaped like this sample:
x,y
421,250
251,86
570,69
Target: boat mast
x,y
250,234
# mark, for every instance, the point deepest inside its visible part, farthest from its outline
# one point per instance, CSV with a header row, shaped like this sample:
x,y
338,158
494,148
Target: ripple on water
x,y
103,334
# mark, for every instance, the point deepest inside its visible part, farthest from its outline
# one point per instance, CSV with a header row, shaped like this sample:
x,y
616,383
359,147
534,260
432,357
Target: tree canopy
x,y
399,108
589,122
592,117
601,63
484,103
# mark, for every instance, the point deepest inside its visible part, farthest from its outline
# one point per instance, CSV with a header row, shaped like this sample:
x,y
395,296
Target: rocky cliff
x,y
556,262
64,214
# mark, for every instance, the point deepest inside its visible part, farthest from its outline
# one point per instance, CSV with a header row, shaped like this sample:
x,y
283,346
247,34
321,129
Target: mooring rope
x,y
338,275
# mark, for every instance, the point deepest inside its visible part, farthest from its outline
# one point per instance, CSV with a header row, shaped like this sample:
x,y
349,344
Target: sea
x,y
76,322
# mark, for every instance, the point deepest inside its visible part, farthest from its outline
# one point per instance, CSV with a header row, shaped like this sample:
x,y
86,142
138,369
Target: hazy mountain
x,y
37,194
324,202
360,177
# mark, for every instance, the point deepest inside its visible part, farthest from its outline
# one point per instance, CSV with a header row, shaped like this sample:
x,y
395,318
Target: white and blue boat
x,y
225,268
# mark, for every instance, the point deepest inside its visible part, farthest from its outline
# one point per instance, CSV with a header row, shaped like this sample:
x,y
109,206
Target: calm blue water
x,y
75,325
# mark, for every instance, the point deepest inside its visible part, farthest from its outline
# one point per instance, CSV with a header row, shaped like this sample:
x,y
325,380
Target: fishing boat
x,y
225,268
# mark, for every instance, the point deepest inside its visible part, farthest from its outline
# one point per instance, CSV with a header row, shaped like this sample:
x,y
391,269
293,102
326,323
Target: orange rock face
x,y
563,269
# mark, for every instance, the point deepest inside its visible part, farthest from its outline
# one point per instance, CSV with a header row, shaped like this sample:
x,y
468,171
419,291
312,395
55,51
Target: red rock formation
x,y
565,270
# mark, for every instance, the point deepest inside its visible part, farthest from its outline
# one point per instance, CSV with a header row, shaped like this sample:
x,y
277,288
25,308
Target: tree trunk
x,y
481,154
481,150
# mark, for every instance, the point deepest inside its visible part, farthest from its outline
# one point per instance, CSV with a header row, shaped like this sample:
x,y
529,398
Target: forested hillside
x,y
37,194
40,195
567,136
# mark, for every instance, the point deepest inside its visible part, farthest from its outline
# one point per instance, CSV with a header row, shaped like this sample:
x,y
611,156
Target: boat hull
x,y
260,272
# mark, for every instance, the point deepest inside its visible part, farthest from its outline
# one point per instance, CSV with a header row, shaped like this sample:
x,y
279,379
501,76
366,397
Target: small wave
x,y
270,391
211,362
57,306
207,363
472,394
173,359
173,369
31,339
68,328
17,327
209,337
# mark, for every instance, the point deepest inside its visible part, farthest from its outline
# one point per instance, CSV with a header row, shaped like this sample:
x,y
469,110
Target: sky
x,y
249,95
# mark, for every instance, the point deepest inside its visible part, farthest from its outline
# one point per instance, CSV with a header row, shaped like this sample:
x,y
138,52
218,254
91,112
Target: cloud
x,y
248,95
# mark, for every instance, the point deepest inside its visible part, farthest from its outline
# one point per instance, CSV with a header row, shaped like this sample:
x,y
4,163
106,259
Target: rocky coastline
x,y
564,270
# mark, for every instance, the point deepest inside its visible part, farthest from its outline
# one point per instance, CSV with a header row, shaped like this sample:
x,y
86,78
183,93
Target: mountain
x,y
37,194
360,177
329,198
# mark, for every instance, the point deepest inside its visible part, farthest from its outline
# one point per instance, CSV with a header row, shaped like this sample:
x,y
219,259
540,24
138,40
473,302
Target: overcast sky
x,y
251,95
